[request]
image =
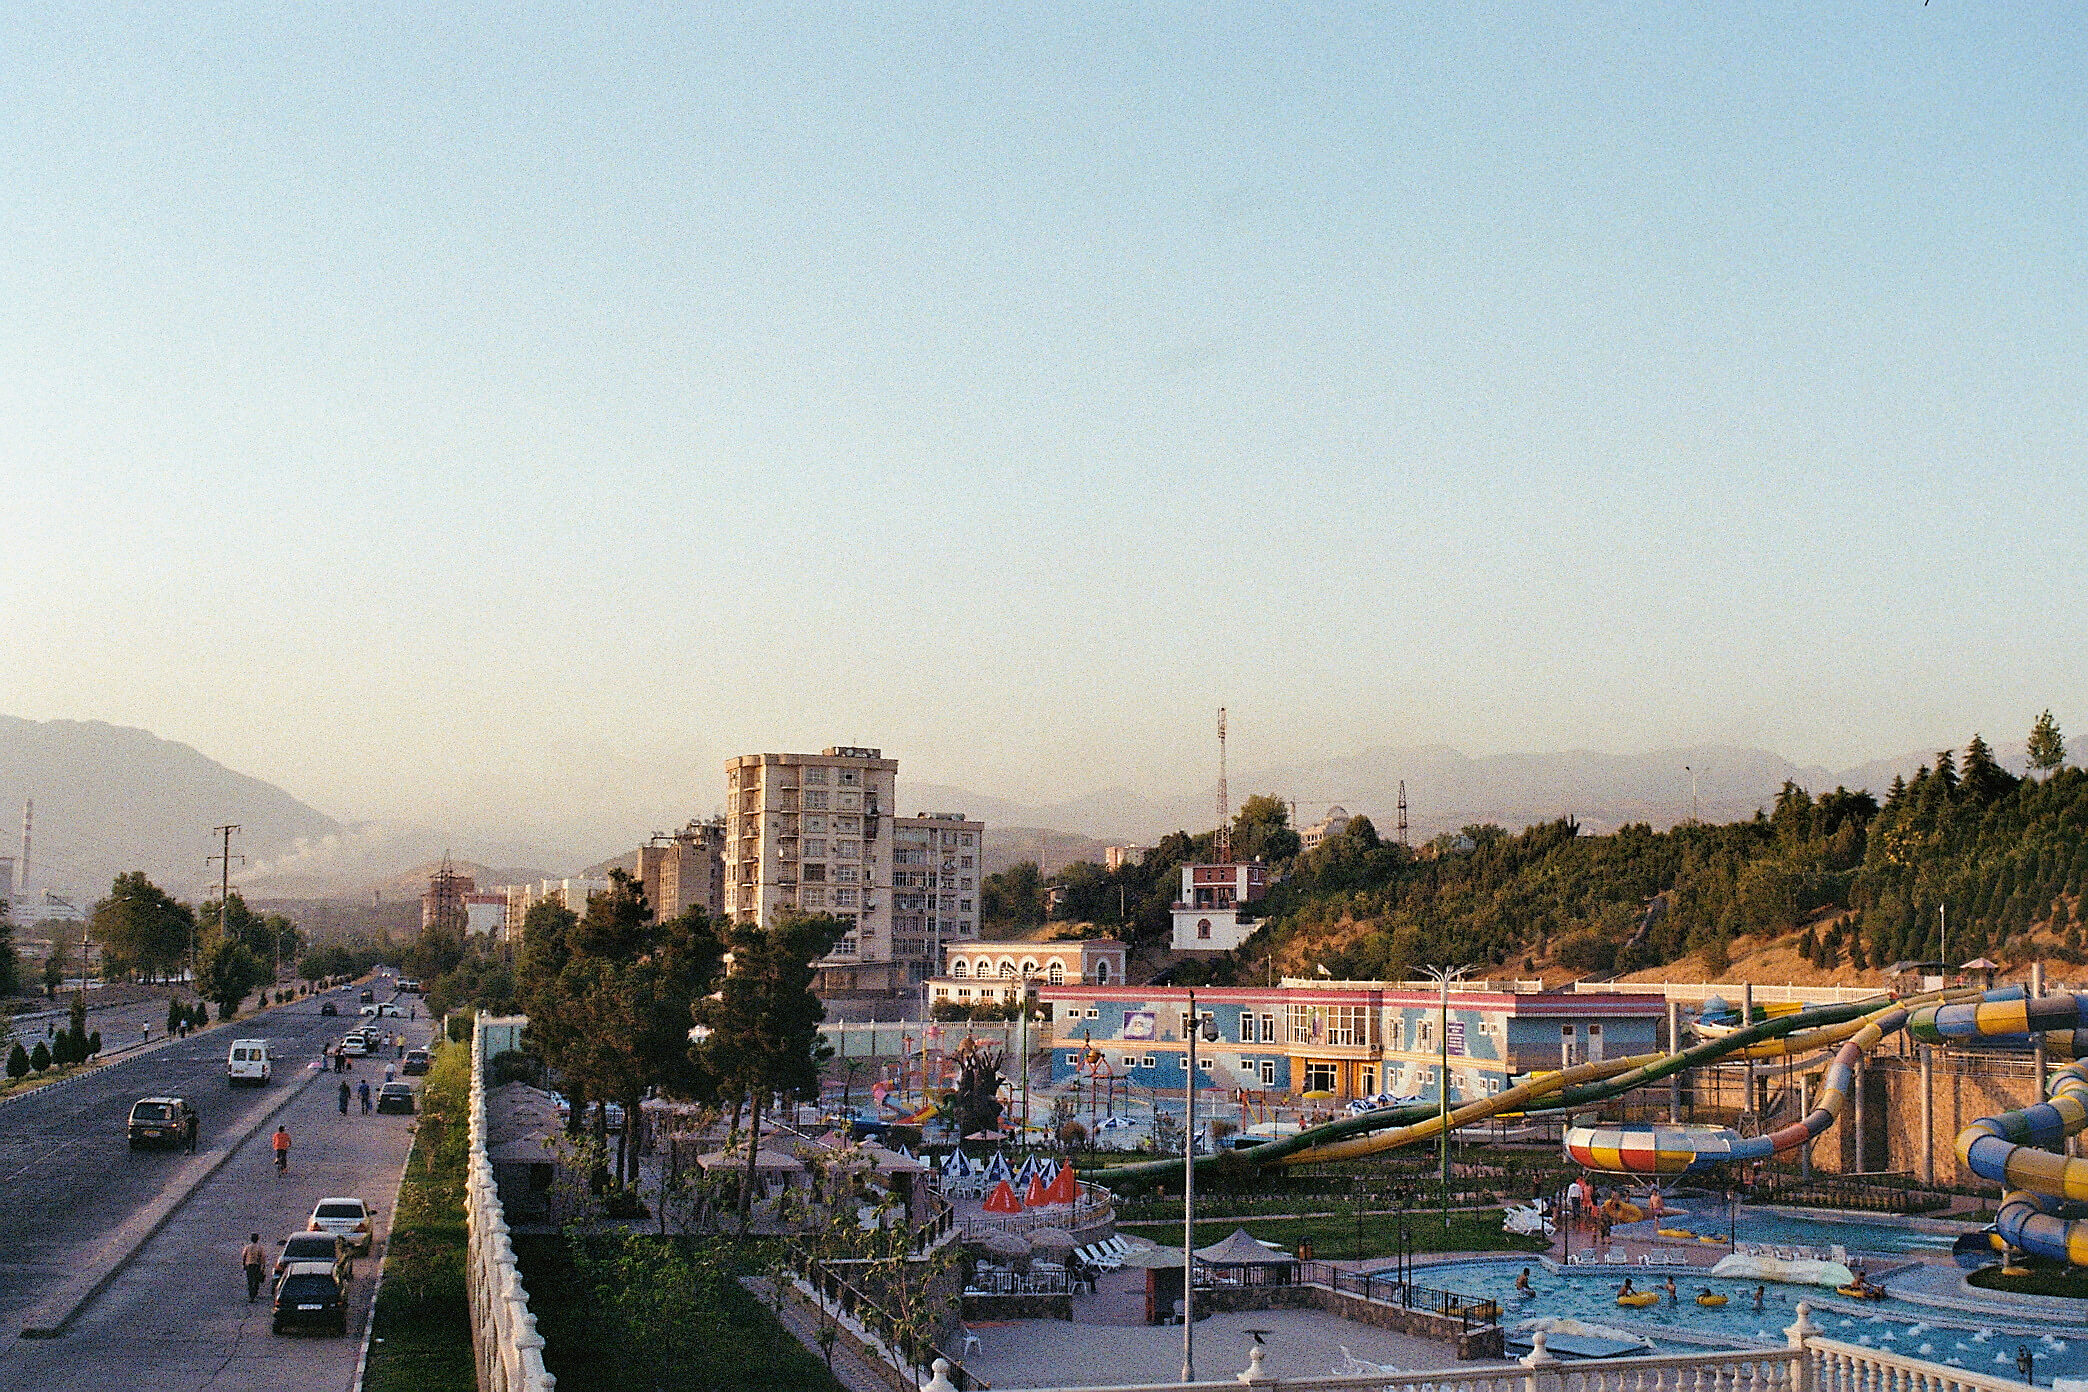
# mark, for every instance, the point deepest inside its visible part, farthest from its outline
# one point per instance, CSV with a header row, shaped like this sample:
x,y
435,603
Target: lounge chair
x,y
1839,1253
1617,1258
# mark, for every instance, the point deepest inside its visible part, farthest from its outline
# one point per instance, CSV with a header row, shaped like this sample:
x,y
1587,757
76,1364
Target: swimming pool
x,y
1958,1339
1783,1229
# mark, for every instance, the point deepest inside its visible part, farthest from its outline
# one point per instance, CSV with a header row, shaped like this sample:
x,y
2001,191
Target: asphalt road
x,y
68,1181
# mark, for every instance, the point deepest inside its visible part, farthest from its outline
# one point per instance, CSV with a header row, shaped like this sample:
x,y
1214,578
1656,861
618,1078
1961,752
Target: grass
x,y
2044,1279
421,1341
1338,1237
637,1313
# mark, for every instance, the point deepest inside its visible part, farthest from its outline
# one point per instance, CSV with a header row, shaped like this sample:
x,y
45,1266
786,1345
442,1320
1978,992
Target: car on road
x,y
331,1248
396,1097
368,995
416,1063
328,1008
248,1063
162,1121
355,1044
311,1294
344,1217
383,1012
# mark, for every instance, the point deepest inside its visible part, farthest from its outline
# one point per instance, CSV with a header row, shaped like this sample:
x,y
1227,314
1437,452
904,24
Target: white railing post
x,y
1255,1372
1540,1361
1797,1333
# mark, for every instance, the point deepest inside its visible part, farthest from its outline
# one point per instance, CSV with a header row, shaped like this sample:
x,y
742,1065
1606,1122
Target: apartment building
x,y
573,893
1343,1039
486,913
1336,822
937,867
685,870
811,832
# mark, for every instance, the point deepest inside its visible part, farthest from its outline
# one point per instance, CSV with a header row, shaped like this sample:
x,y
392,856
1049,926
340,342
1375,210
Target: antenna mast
x,y
1223,849
22,871
1402,812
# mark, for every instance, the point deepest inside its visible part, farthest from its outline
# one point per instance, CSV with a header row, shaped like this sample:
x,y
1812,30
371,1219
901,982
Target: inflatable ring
x,y
1714,1241
1675,1232
1638,1300
1711,1302
1860,1292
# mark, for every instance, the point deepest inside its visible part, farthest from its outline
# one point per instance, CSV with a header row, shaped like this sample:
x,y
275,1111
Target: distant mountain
x,y
111,799
1446,790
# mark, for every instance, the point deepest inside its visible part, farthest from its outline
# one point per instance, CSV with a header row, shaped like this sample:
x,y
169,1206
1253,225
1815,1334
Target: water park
x,y
1623,1232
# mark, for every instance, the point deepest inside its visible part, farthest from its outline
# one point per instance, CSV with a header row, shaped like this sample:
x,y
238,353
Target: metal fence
x,y
1470,1311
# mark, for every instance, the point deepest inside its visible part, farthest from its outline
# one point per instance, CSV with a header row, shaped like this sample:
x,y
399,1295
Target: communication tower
x,y
1402,812
1222,849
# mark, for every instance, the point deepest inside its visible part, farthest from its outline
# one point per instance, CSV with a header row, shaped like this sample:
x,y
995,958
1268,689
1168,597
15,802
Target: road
x,y
68,1183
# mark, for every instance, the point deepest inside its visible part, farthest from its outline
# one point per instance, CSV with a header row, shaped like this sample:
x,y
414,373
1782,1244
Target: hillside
x,y
111,799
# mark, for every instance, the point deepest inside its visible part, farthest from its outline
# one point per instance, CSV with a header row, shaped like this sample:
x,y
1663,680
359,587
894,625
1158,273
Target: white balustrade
x,y
504,1336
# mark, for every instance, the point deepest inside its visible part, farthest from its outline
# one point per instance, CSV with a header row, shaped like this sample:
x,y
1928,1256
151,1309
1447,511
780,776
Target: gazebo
x,y
1241,1260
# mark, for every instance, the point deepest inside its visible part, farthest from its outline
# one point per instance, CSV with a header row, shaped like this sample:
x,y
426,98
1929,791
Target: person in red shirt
x,y
281,1141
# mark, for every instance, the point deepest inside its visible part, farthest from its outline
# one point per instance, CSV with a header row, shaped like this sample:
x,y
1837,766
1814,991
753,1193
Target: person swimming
x,y
1522,1282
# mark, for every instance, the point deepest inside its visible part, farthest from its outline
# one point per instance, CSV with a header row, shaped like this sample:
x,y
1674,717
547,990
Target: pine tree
x,y
40,1057
17,1062
1984,779
2046,746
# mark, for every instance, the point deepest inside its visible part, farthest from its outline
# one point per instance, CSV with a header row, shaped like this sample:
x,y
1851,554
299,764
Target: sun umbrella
x,y
1003,1199
1052,1240
997,1169
1036,1196
1066,1188
1318,1095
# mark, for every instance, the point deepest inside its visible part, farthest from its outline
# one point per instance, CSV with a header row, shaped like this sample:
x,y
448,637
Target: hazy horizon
x,y
427,411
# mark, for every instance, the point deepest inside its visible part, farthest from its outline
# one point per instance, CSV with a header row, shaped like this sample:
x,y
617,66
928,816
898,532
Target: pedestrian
x,y
363,1090
344,1097
255,1261
195,1124
281,1142
399,1041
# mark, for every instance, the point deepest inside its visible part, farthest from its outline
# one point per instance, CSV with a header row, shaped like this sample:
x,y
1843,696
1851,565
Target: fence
x,y
880,1334
1808,1363
504,1336
1700,991
1471,1312
1856,1194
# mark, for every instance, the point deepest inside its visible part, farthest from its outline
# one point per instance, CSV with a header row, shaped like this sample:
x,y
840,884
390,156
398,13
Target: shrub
x,y
94,1044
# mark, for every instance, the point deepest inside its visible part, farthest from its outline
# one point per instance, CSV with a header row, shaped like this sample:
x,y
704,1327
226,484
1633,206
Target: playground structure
x,y
2017,1149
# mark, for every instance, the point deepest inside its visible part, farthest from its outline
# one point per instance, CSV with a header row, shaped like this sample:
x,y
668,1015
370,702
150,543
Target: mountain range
x,y
111,799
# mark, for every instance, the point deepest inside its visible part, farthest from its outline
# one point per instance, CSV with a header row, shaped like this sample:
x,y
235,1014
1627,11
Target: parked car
x,y
396,1097
383,1012
409,988
328,1008
343,1217
162,1121
416,1063
368,995
354,1044
311,1294
248,1063
330,1248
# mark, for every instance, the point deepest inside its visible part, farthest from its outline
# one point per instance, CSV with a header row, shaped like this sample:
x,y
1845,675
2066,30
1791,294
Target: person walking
x,y
344,1097
281,1142
399,1043
195,1124
363,1090
255,1261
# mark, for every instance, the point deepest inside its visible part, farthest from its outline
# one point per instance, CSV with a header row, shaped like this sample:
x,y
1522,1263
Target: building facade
x,y
685,870
1115,858
1216,911
486,913
811,832
1345,1039
976,973
1333,824
937,868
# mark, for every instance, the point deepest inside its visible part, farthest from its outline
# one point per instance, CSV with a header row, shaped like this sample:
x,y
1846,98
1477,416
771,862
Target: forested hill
x,y
1853,881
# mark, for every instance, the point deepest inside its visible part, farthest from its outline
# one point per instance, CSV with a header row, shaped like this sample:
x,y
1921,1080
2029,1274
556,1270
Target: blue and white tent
x,y
1024,1175
954,1167
998,1169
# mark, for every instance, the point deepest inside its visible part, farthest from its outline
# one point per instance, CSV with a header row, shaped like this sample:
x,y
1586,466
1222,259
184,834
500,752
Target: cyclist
x,y
281,1142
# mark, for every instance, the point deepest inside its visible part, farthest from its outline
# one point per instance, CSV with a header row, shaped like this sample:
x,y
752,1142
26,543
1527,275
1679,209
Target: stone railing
x,y
1808,1363
504,1336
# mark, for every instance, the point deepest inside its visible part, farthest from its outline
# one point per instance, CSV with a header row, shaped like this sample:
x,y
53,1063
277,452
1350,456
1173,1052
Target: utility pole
x,y
224,859
1443,976
1691,771
1402,812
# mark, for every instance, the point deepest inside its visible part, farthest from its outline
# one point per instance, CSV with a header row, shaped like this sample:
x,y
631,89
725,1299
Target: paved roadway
x,y
68,1181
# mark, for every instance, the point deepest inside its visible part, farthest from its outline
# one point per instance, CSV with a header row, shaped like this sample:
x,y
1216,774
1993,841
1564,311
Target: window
x,y
1246,1065
965,883
815,777
1102,973
844,898
1092,1014
1203,1065
844,873
815,799
1029,966
965,840
846,850
1268,1072
1320,1077
1146,1062
1056,972
1395,1035
960,968
848,777
850,801
1007,966
815,871
1130,1061
1072,1060
964,991
964,862
1203,928
845,948
848,825
813,898
1428,1033
815,825
1268,1029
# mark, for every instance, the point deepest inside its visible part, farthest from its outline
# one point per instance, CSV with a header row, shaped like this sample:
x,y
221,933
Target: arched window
x,y
959,967
1102,972
1007,966
1029,966
1056,972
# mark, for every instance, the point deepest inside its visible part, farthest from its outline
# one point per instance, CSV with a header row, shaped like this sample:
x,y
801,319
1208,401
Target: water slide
x,y
1857,1026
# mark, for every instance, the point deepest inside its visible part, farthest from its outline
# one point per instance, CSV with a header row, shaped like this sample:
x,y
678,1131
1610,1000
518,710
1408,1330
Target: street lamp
x,y
1443,976
1210,1034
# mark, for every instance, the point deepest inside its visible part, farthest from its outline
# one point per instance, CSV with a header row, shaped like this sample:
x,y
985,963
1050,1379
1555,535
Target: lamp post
x,y
1195,1026
1443,976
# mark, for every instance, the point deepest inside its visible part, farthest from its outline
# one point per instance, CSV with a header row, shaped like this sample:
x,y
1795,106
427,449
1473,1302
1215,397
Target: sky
x,y
444,411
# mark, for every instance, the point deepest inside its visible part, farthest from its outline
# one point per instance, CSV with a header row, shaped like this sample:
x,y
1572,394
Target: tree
x,y
2046,746
142,928
763,1023
1013,896
1262,830
40,1057
17,1062
1983,779
228,972
10,961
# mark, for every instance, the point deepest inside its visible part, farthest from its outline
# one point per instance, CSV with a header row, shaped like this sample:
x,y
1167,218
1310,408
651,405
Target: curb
x,y
49,1320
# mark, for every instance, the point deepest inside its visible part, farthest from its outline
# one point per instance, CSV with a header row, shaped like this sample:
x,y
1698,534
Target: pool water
x,y
1786,1229
1908,1329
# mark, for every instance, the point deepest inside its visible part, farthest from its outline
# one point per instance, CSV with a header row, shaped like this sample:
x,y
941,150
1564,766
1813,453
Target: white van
x,y
248,1063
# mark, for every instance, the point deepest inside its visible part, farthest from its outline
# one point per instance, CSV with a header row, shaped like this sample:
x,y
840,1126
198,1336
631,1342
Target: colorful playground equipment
x,y
2017,1149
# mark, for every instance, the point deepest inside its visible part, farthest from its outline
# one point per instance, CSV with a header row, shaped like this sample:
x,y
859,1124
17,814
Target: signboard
x,y
1453,1034
1140,1024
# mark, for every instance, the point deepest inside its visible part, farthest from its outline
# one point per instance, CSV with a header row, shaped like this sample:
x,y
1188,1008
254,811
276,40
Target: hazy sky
x,y
440,413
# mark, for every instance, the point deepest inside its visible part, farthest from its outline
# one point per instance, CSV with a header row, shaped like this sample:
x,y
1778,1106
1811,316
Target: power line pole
x,y
224,859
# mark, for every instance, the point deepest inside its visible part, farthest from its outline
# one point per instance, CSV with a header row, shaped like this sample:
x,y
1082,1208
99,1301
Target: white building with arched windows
x,y
986,973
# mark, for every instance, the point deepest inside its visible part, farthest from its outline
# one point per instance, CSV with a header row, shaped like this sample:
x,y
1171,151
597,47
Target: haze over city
x,y
448,418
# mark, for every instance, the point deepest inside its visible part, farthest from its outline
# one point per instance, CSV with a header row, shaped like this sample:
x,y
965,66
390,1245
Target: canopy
x,y
997,1168
1066,1188
1003,1199
1241,1250
1146,1256
1981,964
954,1167
1036,1195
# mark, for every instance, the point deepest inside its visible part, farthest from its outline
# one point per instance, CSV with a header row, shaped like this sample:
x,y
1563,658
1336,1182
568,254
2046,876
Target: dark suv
x,y
301,1248
162,1121
310,1293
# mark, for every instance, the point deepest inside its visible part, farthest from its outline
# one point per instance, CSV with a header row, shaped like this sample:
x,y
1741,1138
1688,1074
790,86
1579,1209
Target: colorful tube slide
x,y
2019,1150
